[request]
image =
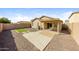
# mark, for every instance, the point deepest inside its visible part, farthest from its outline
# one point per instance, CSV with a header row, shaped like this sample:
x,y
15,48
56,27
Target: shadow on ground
x,y
7,42
62,42
22,43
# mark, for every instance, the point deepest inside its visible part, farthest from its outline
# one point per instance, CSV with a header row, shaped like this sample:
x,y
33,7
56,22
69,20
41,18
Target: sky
x,y
27,14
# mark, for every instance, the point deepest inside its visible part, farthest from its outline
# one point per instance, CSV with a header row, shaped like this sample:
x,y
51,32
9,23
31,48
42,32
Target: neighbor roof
x,y
24,22
34,19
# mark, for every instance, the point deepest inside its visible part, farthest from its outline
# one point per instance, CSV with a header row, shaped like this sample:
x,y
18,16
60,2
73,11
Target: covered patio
x,y
52,24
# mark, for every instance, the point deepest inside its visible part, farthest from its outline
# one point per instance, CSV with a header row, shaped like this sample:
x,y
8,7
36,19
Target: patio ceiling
x,y
52,21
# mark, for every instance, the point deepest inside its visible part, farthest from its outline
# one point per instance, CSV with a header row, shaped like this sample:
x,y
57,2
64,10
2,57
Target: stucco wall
x,y
74,18
42,25
75,30
35,24
74,26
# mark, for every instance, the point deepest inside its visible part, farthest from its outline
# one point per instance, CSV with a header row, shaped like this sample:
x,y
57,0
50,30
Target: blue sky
x,y
26,14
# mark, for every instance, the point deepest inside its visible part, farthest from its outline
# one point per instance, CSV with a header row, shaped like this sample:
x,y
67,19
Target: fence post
x,y
1,27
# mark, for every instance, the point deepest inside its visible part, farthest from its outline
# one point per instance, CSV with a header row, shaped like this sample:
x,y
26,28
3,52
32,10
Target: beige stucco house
x,y
74,25
46,22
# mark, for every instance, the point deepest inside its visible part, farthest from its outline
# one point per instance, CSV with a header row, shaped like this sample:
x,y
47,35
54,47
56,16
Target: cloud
x,y
44,14
62,16
65,15
19,17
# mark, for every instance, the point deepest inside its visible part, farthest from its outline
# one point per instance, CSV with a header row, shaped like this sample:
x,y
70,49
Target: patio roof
x,y
51,20
47,19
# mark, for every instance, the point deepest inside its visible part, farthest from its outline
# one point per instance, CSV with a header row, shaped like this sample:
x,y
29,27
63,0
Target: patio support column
x,y
58,27
52,25
43,26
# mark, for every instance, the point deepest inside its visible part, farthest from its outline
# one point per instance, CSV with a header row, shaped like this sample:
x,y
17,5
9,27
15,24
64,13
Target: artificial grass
x,y
21,30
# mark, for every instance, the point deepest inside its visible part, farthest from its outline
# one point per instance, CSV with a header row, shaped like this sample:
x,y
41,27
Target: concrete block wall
x,y
13,26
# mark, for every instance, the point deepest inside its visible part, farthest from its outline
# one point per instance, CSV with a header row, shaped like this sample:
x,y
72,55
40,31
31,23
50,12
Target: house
x,y
46,22
27,23
24,22
74,25
66,21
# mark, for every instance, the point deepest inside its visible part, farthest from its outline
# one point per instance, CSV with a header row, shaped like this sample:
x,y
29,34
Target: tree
x,y
4,20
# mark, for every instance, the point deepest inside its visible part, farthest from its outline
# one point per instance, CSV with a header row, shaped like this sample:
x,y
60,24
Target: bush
x,y
64,27
4,20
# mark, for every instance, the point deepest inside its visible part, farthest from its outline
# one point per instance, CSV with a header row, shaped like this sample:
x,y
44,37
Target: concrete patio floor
x,y
41,38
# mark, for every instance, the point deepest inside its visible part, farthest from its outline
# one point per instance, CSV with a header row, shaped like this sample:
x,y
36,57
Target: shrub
x,y
64,27
4,20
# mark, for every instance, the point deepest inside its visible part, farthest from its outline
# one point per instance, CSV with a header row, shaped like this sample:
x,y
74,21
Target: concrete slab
x,y
38,39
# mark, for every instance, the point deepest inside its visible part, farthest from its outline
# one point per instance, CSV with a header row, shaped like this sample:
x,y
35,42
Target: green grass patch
x,y
21,30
